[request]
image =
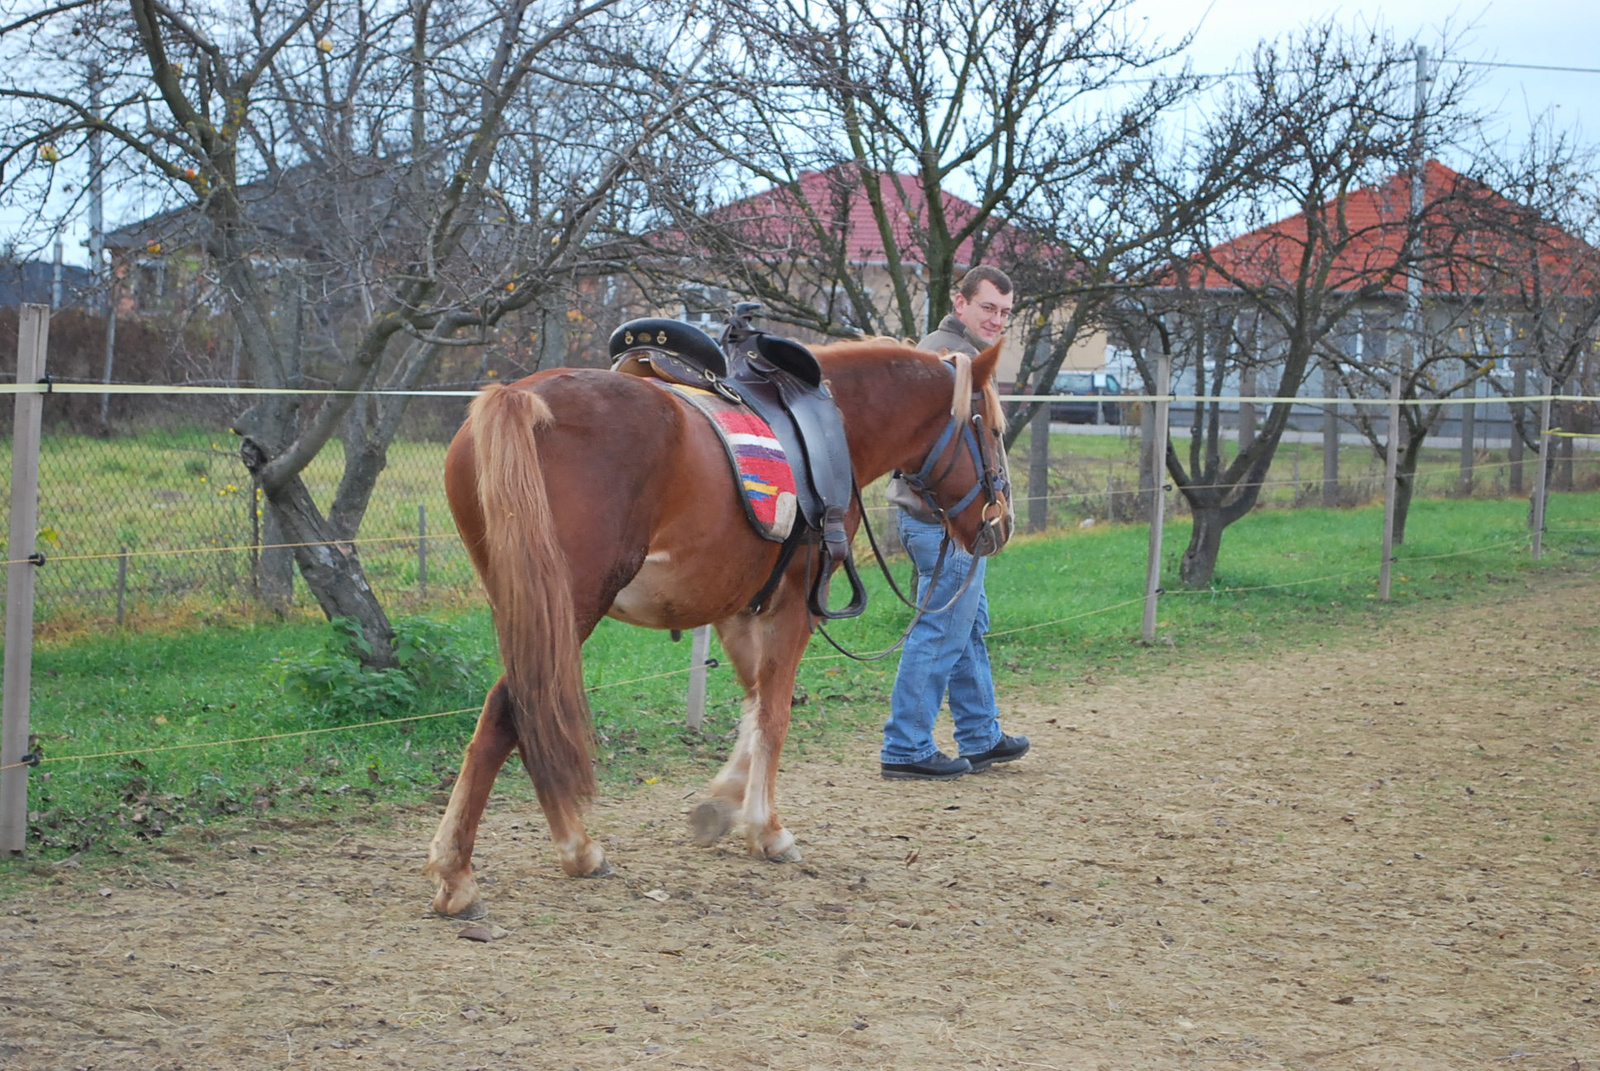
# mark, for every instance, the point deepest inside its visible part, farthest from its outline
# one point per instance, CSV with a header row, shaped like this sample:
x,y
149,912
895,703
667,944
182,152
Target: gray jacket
x,y
951,335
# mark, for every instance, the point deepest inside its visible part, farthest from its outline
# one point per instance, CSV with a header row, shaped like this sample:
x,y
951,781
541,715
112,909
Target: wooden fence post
x,y
1158,498
1039,469
1541,482
33,336
699,650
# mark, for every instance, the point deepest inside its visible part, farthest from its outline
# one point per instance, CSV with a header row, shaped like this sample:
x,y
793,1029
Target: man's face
x,y
985,314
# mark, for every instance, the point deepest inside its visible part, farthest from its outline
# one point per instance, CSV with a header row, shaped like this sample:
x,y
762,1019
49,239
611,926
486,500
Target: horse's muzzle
x,y
995,531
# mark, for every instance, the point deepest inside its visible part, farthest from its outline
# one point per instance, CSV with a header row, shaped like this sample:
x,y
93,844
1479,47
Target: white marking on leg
x,y
575,854
756,808
735,776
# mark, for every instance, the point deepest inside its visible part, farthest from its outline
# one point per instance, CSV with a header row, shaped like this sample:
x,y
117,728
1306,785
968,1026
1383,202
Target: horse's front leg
x,y
765,652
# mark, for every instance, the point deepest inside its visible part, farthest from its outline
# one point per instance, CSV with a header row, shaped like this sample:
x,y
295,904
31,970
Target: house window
x,y
149,283
706,307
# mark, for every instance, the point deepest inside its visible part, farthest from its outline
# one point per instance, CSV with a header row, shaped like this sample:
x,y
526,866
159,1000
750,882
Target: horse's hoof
x,y
791,854
471,913
710,820
601,871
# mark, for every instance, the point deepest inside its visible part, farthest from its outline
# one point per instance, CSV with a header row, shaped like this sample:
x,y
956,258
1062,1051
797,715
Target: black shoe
x,y
1009,747
936,767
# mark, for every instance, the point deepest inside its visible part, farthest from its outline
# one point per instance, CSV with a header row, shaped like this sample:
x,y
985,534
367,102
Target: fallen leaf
x,y
476,933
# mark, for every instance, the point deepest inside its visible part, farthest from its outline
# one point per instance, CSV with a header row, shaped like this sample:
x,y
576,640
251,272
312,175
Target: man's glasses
x,y
988,308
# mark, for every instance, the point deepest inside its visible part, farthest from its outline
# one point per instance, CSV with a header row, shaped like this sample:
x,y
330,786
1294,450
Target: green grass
x,y
1061,606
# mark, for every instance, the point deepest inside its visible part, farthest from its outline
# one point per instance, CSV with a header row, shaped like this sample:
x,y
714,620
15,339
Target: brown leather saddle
x,y
781,382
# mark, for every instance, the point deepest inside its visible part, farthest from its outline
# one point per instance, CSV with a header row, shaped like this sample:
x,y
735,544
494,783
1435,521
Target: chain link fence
x,y
165,522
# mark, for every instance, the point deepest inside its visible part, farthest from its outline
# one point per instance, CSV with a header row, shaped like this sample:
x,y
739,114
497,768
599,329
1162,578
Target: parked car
x,y
1083,389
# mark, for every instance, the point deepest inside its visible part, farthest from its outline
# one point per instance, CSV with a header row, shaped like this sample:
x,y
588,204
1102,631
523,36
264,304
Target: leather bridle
x,y
965,427
993,481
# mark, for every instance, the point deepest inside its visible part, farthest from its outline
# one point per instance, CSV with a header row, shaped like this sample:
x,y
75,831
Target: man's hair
x,y
979,275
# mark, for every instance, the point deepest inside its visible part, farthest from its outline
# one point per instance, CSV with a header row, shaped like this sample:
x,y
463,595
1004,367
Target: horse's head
x,y
963,476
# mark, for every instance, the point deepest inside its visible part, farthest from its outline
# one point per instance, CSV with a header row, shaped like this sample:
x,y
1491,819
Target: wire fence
x,y
164,523
150,524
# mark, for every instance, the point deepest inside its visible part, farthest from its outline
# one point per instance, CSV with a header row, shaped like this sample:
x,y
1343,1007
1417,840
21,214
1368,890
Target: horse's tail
x,y
530,591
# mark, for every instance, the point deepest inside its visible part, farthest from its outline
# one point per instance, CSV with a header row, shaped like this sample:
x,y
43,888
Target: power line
x,y
1225,75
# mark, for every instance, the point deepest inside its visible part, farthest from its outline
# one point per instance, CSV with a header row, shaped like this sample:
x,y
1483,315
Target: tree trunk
x,y
331,567
275,566
1199,562
1405,482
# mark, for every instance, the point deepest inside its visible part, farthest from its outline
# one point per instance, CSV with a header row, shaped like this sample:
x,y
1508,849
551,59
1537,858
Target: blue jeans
x,y
943,656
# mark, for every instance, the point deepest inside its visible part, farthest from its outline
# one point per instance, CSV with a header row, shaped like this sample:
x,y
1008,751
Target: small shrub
x,y
332,681
433,673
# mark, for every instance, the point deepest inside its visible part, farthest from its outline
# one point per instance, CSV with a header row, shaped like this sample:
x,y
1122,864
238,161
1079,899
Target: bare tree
x,y
373,182
915,130
1503,281
1547,250
1331,113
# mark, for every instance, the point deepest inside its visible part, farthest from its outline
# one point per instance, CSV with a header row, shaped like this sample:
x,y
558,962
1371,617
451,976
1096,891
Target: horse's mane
x,y
992,411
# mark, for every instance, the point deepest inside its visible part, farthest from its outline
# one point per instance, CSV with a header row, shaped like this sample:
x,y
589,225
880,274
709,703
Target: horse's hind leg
x,y
450,854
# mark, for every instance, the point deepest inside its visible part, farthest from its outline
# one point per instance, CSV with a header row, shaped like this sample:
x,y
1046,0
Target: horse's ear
x,y
985,363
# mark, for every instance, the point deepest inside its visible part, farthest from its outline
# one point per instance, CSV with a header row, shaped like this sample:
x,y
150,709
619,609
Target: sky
x,y
1524,33
1528,41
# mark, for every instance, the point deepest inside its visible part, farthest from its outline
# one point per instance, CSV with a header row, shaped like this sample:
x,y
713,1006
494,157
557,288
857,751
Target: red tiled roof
x,y
778,222
1462,238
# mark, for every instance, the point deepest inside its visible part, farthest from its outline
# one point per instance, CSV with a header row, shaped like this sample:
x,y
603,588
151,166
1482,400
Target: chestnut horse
x,y
581,494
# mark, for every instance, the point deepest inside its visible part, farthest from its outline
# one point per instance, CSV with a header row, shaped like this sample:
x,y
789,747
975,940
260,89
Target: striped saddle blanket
x,y
759,463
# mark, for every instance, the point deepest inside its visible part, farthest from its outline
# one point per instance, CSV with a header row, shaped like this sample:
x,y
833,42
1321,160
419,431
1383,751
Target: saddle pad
x,y
758,460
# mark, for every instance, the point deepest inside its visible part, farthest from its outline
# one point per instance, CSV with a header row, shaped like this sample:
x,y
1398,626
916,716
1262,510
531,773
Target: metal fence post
x,y
33,336
1467,457
422,549
122,585
1039,469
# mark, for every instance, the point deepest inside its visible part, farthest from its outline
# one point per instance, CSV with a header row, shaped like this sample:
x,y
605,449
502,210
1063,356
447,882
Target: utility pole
x,y
97,237
56,281
97,222
1413,332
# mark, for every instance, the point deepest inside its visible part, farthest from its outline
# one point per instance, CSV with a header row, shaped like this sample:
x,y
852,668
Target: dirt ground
x,y
1379,853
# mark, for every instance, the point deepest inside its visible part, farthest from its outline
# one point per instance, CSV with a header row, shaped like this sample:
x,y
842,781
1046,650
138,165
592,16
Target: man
x,y
944,654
